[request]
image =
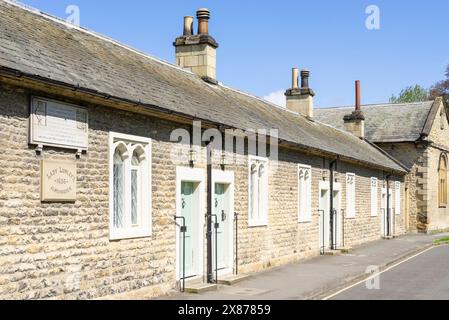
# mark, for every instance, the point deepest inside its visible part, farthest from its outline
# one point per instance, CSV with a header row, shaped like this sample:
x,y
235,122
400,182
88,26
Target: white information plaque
x,y
57,124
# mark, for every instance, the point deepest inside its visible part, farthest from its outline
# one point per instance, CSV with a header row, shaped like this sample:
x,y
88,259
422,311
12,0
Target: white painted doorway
x,y
223,209
386,225
338,217
190,192
324,220
324,216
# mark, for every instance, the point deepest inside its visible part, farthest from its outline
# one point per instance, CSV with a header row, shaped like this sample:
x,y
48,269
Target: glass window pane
x,y
134,197
118,190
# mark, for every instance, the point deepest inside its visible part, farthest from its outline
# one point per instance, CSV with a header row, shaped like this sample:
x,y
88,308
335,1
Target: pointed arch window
x,y
442,181
258,191
130,186
304,193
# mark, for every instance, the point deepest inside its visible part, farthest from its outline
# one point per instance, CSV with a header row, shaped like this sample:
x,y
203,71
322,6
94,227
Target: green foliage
x,y
411,94
441,88
442,241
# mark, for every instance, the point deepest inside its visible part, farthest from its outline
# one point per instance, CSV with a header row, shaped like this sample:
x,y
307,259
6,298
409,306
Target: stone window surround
x,y
304,193
397,197
350,196
144,228
374,197
262,221
442,184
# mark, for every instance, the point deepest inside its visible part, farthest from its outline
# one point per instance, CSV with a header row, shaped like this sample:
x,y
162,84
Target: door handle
x,y
183,203
216,202
223,216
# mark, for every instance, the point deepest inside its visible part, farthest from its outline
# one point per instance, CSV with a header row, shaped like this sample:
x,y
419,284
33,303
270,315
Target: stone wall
x,y
414,157
439,144
51,250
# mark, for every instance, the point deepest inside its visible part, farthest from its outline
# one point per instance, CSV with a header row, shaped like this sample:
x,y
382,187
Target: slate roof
x,y
384,122
41,46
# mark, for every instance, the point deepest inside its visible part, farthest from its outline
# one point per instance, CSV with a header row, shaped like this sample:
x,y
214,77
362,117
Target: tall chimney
x,y
197,52
203,16
300,100
355,122
188,26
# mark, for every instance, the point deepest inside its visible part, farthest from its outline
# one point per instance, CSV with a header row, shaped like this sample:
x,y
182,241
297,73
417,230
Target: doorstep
x,y
232,279
199,287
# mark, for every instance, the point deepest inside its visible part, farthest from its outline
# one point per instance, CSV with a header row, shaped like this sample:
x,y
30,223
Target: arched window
x,y
120,156
130,186
137,162
304,193
254,192
258,191
442,181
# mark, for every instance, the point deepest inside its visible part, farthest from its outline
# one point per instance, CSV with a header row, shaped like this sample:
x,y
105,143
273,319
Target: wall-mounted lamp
x,y
192,157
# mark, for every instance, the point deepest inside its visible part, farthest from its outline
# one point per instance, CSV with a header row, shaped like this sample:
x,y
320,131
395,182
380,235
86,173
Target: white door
x,y
338,220
324,219
221,210
189,212
386,216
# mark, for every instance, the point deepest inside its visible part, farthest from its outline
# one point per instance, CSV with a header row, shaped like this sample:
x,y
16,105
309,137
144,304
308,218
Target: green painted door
x,y
222,218
187,211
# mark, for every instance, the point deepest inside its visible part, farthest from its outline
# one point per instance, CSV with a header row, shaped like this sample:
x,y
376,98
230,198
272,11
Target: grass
x,y
442,241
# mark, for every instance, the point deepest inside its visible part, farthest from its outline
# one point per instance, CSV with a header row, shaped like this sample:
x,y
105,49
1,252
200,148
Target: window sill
x,y
442,206
256,224
129,234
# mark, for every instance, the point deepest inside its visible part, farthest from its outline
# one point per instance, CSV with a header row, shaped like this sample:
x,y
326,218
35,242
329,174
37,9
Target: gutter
x,y
14,73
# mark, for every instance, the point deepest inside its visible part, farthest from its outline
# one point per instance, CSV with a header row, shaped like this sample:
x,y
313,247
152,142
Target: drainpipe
x,y
210,276
388,205
331,216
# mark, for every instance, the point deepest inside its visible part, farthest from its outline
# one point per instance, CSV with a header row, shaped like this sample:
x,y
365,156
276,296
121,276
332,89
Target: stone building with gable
x,y
417,134
96,202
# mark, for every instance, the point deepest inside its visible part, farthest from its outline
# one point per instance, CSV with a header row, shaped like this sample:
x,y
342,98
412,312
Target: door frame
x,y
340,219
383,206
186,174
323,185
227,178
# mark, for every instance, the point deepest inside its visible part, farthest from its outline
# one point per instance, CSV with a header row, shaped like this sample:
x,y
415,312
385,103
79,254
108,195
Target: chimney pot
x,y
295,77
203,16
188,26
355,122
357,95
305,79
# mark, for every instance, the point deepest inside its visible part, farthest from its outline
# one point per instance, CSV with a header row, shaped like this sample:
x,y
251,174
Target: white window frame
x,y
144,226
262,216
374,197
397,197
350,196
304,193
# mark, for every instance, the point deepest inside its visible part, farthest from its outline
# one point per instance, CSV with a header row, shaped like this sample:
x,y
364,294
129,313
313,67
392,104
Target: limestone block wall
x,y
55,250
414,157
439,144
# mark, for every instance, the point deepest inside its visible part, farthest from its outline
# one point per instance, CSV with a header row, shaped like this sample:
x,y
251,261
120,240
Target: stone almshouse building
x,y
89,184
417,134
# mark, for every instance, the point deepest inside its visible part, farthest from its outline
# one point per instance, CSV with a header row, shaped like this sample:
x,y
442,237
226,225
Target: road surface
x,y
424,277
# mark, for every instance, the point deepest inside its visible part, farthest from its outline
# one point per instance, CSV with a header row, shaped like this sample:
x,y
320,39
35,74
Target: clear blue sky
x,y
261,40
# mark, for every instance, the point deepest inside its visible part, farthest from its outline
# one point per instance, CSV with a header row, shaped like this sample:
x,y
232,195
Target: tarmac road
x,y
424,277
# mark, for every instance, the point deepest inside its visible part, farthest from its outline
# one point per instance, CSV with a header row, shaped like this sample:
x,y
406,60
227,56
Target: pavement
x,y
322,276
424,277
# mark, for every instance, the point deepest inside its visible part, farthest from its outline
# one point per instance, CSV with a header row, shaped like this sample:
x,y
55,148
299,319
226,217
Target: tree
x,y
441,88
411,94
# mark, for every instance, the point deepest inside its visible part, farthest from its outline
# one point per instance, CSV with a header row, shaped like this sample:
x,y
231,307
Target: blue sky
x,y
260,41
